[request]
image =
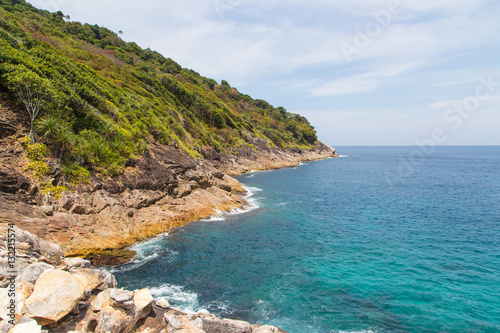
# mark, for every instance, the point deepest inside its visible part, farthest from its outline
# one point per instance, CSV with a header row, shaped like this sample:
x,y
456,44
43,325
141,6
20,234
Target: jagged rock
x,y
163,303
101,200
56,294
182,190
107,279
218,174
213,324
26,325
79,208
48,210
32,272
264,329
51,251
12,182
142,303
67,200
76,263
113,320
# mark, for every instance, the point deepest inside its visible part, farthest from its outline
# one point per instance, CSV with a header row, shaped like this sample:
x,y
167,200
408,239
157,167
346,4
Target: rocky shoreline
x,y
45,292
162,189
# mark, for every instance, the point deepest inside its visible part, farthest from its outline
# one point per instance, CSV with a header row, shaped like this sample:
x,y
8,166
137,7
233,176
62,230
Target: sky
x,y
364,72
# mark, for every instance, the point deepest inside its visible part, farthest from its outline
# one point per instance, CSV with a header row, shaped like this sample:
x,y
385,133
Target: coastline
x,y
99,221
90,300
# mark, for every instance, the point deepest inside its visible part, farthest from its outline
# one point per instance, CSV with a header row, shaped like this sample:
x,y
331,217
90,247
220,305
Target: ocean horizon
x,y
381,239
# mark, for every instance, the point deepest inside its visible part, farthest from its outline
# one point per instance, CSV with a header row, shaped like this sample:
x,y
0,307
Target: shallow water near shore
x,y
384,239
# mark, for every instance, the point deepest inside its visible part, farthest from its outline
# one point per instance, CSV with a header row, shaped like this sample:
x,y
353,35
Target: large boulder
x,y
56,294
142,303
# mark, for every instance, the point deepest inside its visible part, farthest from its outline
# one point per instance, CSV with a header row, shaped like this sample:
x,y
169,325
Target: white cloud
x,y
362,82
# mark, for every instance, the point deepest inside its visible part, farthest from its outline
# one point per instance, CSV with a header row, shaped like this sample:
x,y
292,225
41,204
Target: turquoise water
x,y
382,240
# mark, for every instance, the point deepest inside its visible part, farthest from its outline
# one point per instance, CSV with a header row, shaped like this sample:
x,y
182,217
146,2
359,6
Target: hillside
x,y
106,101
104,143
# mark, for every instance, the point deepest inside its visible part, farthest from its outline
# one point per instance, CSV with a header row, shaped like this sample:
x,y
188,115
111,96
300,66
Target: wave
x,y
251,204
147,251
350,156
183,300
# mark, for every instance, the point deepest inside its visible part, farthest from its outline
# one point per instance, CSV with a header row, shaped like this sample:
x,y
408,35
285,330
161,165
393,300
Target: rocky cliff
x,y
163,188
44,292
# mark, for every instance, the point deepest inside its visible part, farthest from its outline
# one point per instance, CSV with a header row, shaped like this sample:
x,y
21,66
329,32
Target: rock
x,y
25,289
5,326
163,303
179,323
76,263
56,294
101,301
101,200
107,279
212,324
218,174
79,208
6,309
182,190
113,320
32,272
120,295
27,237
93,277
26,325
47,210
264,329
67,200
51,251
142,303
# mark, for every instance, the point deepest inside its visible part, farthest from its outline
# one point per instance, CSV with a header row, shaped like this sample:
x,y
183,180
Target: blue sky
x,y
364,72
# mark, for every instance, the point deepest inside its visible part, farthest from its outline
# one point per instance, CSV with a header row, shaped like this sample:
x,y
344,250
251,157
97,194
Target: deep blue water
x,y
387,239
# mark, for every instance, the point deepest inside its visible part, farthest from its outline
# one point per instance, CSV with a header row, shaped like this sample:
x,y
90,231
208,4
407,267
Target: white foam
x,y
183,300
251,204
147,251
350,156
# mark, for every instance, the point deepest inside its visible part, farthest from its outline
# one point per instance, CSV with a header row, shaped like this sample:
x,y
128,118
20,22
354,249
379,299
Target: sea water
x,y
384,239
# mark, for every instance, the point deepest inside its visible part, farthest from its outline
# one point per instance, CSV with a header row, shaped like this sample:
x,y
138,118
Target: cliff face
x,y
161,189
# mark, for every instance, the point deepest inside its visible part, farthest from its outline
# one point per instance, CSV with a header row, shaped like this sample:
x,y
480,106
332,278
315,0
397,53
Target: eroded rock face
x,y
56,294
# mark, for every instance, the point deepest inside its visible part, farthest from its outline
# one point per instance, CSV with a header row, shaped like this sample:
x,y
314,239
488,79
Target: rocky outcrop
x,y
74,297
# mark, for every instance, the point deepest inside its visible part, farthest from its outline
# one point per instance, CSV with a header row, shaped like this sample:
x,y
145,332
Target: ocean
x,y
381,239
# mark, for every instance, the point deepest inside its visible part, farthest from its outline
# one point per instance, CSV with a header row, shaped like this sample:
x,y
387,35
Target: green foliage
x,y
55,191
77,174
106,99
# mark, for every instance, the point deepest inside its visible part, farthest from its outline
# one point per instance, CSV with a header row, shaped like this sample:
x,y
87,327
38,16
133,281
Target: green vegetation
x,y
37,165
98,101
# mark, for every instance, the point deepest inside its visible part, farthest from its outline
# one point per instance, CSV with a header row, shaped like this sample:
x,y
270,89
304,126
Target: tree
x,y
31,90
